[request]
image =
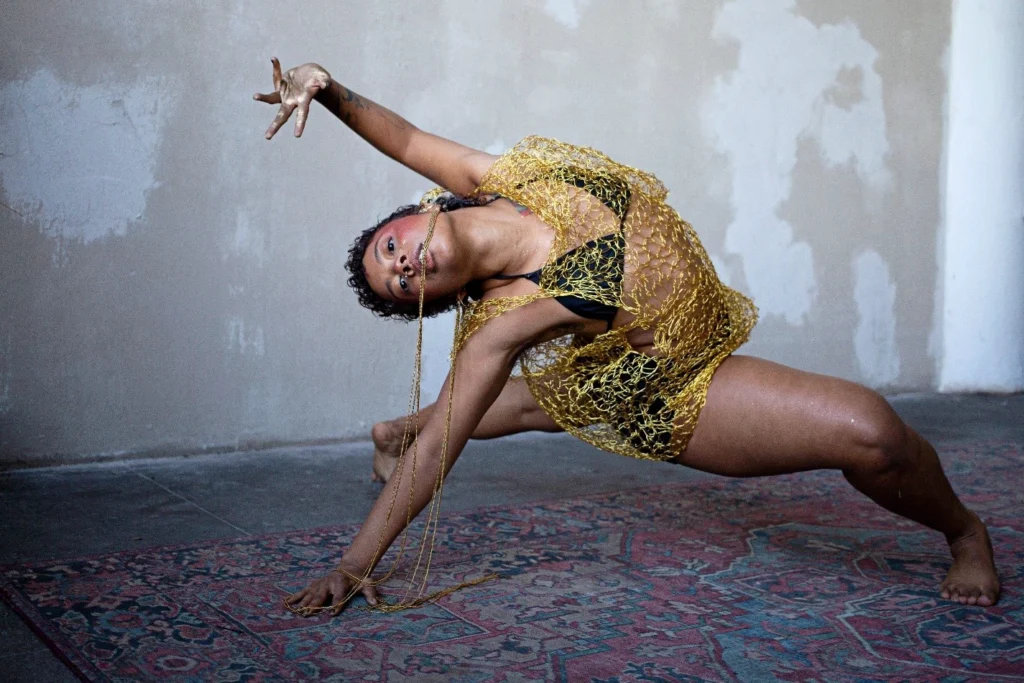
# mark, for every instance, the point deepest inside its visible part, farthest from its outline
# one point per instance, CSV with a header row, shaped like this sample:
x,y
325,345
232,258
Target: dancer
x,y
573,266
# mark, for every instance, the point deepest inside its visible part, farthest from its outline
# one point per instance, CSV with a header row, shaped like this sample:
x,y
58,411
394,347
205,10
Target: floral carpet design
x,y
778,579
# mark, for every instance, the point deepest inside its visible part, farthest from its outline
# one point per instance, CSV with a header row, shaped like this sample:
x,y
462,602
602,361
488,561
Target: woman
x,y
578,270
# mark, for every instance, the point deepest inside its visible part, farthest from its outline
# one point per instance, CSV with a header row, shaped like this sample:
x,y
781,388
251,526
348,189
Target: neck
x,y
492,240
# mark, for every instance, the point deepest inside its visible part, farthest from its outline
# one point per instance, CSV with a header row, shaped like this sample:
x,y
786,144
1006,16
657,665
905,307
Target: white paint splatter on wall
x,y
793,79
79,159
496,147
245,342
566,12
875,339
246,240
722,270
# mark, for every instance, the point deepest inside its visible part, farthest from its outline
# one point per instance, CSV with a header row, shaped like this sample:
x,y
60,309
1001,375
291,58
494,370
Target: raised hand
x,y
295,89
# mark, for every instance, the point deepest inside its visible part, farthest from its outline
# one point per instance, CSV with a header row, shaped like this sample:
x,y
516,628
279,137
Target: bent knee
x,y
878,436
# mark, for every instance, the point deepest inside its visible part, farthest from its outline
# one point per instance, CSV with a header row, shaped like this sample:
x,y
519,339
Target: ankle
x,y
969,526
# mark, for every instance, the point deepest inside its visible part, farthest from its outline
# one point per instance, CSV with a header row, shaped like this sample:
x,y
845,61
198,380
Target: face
x,y
392,260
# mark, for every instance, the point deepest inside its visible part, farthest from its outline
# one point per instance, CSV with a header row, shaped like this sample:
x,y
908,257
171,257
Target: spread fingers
x,y
277,73
282,116
300,118
269,98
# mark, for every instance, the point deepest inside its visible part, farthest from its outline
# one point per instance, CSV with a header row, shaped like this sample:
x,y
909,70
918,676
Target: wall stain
x,y
757,116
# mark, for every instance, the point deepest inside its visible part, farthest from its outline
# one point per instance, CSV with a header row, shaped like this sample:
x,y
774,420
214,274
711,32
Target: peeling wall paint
x,y
496,147
566,12
875,338
219,311
245,342
793,79
247,241
80,159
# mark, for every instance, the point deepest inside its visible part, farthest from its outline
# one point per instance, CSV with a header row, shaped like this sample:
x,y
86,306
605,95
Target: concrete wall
x,y
170,281
983,283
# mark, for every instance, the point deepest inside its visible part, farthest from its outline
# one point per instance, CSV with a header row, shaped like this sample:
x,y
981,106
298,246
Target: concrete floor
x,y
81,510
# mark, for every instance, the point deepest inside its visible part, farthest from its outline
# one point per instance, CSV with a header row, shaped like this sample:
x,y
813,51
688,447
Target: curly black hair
x,y
394,309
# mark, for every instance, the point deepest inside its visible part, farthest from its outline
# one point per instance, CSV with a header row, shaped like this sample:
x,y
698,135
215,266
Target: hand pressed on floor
x,y
330,593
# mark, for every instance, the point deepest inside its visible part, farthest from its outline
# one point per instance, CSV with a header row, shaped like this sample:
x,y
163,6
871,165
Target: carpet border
x,y
12,599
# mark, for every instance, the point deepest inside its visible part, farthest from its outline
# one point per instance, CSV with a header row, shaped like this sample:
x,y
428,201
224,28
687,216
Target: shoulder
x,y
537,155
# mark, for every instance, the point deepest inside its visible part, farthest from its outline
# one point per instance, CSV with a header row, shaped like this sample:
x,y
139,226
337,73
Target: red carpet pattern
x,y
776,579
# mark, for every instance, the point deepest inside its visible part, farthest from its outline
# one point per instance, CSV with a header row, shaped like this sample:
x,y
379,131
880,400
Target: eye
x,y
391,244
404,284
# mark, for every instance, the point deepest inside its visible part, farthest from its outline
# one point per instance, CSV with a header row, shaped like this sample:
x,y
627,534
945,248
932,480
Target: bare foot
x,y
972,580
387,447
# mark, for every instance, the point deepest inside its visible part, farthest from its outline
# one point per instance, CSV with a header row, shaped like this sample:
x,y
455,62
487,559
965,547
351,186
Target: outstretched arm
x,y
479,379
482,368
453,166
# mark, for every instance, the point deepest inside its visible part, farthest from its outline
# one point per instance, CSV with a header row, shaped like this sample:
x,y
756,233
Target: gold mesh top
x,y
644,405
658,276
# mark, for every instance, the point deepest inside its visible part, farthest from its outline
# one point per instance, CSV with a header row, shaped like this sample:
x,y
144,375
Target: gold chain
x,y
427,542
600,389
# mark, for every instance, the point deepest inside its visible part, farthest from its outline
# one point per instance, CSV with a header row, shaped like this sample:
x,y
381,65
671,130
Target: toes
x,y
986,601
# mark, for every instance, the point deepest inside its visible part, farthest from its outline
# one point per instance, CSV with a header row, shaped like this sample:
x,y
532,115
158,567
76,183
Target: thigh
x,y
763,418
514,411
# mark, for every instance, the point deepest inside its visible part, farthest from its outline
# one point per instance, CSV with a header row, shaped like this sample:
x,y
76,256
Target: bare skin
x,y
513,412
760,418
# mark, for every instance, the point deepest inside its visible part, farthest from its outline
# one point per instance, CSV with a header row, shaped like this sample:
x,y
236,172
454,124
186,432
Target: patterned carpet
x,y
780,579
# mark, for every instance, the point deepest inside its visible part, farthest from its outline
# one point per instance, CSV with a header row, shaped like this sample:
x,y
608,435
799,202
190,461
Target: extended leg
x,y
514,411
763,418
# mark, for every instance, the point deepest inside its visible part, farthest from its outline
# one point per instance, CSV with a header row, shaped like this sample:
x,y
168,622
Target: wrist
x,y
327,93
353,567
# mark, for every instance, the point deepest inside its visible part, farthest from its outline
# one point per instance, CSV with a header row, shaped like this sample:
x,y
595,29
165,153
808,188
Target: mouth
x,y
425,256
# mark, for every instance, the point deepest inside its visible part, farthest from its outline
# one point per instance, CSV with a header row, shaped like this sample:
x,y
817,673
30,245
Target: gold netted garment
x,y
617,244
602,390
